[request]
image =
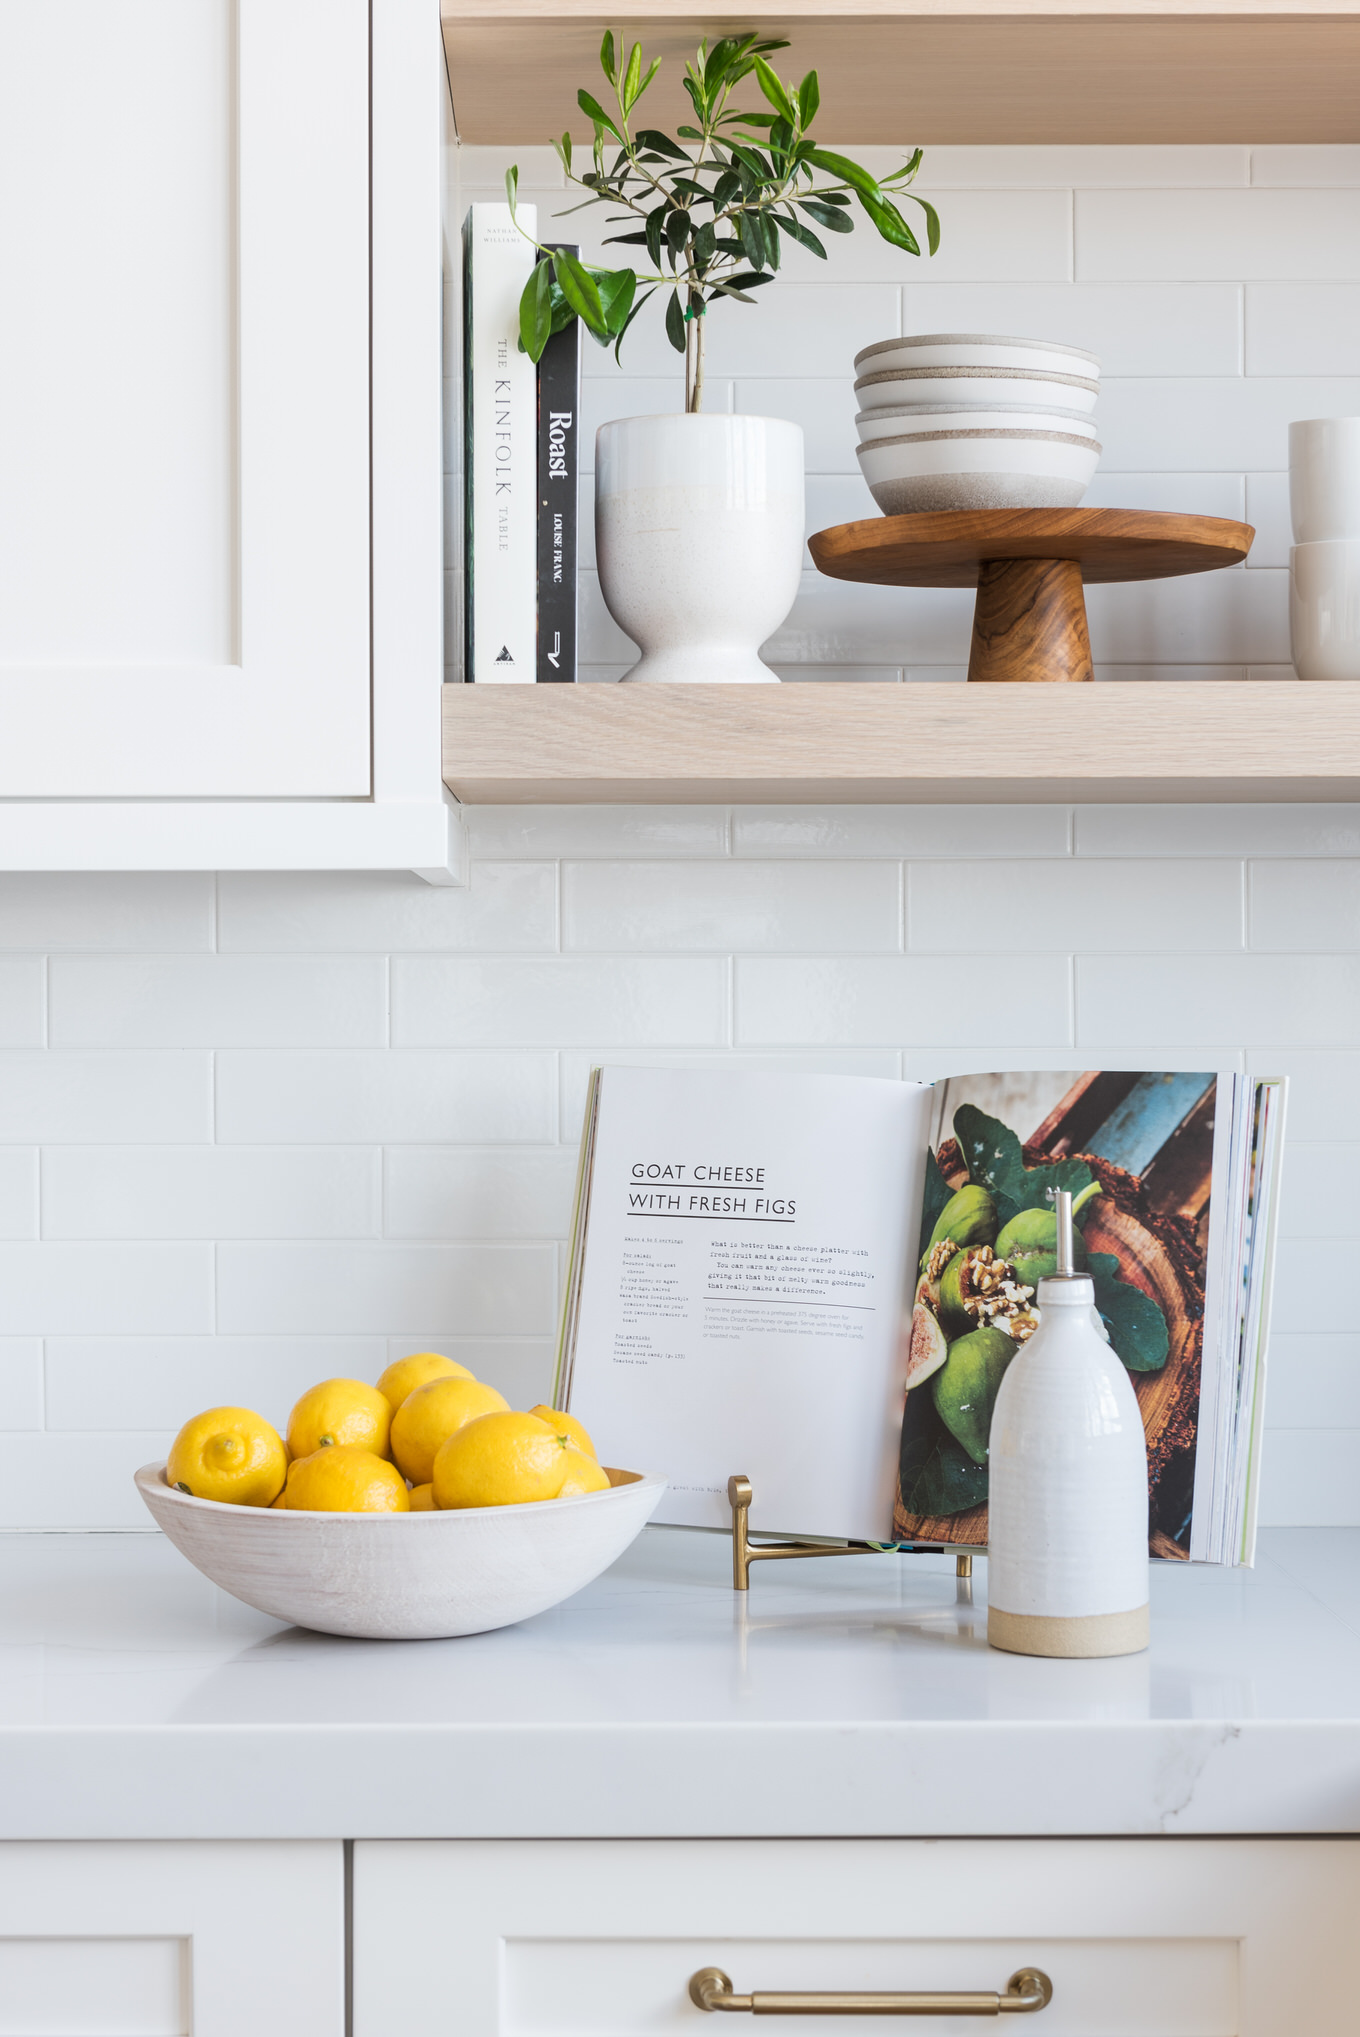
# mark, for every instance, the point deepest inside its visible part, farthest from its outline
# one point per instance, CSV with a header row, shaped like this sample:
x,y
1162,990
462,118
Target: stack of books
x,y
522,428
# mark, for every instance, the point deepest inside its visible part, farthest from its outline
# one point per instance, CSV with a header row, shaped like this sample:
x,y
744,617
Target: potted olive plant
x,y
699,516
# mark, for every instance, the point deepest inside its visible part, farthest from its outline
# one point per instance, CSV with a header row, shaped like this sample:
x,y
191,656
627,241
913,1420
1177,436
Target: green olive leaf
x,y
1138,1333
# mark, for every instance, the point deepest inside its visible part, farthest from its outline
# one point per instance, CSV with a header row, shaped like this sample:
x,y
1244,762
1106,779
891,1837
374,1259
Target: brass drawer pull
x,y
1026,1991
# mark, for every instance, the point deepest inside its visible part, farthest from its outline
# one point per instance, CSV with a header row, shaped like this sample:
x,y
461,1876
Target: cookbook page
x,y
744,1283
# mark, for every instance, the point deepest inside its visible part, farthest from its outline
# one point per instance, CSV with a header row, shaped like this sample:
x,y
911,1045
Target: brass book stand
x,y
745,1552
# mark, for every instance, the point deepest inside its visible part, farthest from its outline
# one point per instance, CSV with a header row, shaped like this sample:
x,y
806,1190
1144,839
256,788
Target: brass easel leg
x,y
739,1495
963,1578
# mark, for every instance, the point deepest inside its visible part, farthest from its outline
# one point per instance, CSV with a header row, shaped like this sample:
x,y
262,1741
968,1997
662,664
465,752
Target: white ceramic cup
x,y
1324,609
1324,478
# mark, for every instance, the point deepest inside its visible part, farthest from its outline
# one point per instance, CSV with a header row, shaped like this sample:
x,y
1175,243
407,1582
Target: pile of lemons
x,y
427,1436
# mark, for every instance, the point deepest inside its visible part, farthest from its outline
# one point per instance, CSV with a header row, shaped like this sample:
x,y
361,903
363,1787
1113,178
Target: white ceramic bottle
x,y
1067,1538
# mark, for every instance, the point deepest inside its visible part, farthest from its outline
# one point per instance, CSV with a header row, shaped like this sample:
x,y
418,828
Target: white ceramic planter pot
x,y
699,539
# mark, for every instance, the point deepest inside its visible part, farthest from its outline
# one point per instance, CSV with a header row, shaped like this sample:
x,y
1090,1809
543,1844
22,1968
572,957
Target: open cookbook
x,y
820,1280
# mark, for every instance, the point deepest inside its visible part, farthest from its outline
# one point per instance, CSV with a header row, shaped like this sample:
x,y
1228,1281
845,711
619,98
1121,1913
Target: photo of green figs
x,y
1030,1242
966,1387
969,1218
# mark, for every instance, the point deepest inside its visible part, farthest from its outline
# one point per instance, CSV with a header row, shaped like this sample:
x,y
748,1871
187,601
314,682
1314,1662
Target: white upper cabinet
x,y
202,416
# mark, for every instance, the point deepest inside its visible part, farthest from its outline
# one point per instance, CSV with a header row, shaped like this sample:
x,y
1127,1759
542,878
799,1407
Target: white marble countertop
x,y
848,1697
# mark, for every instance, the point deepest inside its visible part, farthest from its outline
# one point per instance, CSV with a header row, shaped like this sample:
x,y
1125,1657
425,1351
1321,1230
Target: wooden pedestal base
x,y
1029,621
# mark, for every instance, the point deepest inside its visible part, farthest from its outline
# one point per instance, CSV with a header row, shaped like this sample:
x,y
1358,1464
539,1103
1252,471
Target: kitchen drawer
x,y
163,1938
1140,1937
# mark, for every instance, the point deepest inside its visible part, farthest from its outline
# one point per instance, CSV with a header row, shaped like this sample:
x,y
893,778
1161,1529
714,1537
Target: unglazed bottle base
x,y
1091,1634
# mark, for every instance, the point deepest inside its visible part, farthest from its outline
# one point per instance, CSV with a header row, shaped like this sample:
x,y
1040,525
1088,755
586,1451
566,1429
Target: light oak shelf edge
x,y
929,744
945,71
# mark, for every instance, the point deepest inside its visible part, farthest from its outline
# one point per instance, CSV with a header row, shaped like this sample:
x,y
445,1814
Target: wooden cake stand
x,y
1028,565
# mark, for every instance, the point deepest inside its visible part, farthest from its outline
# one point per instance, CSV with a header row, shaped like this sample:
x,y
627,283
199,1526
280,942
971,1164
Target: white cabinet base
x,y
1140,1937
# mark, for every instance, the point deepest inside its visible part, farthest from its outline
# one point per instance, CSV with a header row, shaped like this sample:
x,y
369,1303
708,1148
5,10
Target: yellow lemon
x,y
340,1411
431,1414
341,1478
566,1425
422,1500
583,1473
403,1377
500,1460
282,1499
229,1454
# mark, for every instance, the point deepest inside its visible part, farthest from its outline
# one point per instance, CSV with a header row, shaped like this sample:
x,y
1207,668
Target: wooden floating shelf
x,y
839,742
946,70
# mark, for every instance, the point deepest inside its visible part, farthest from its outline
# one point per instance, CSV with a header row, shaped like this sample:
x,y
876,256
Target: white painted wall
x,y
258,1130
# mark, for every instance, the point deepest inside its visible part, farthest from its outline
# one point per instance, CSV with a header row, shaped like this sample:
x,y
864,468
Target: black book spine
x,y
559,407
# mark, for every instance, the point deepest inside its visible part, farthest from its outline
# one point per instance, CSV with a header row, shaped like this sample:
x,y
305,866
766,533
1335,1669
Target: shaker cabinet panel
x,y
167,1939
184,401
1140,1938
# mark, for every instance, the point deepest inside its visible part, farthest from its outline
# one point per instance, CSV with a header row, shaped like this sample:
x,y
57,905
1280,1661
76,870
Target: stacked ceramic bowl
x,y
964,420
1324,564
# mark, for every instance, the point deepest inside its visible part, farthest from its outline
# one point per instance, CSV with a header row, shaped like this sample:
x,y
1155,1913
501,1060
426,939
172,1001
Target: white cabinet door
x,y
184,399
1140,1938
162,1939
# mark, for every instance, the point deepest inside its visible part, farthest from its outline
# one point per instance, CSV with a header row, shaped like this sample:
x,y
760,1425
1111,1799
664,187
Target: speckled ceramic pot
x,y
699,539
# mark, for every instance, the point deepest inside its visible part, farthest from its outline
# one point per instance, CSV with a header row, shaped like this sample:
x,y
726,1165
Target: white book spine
x,y
502,442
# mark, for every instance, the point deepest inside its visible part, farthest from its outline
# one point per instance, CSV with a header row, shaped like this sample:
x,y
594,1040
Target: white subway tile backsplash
x,y
1213,424
21,1383
1268,513
1135,167
504,906
348,1290
1308,1295
1117,907
1311,165
76,1480
18,1192
402,1098
1134,328
23,1001
1303,329
952,831
1317,1200
491,1193
1185,494
1190,831
1208,236
70,1098
632,831
897,1001
47,1289
1304,1000
47,910
851,907
1308,1478
211,1192
562,1001
140,1383
217,1001
838,622
1202,619
1307,1374
825,411
1324,1089
639,396
1302,906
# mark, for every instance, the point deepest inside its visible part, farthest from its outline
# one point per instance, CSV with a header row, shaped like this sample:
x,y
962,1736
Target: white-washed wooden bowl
x,y
976,388
911,420
975,350
1011,469
405,1577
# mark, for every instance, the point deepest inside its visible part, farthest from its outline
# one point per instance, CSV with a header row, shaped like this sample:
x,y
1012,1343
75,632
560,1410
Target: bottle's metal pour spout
x,y
1063,1200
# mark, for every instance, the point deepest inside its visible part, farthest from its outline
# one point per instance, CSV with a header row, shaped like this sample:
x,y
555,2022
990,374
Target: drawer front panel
x,y
1140,1938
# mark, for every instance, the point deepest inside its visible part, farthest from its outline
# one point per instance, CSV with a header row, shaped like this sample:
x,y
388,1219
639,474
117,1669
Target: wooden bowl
x,y
405,1577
